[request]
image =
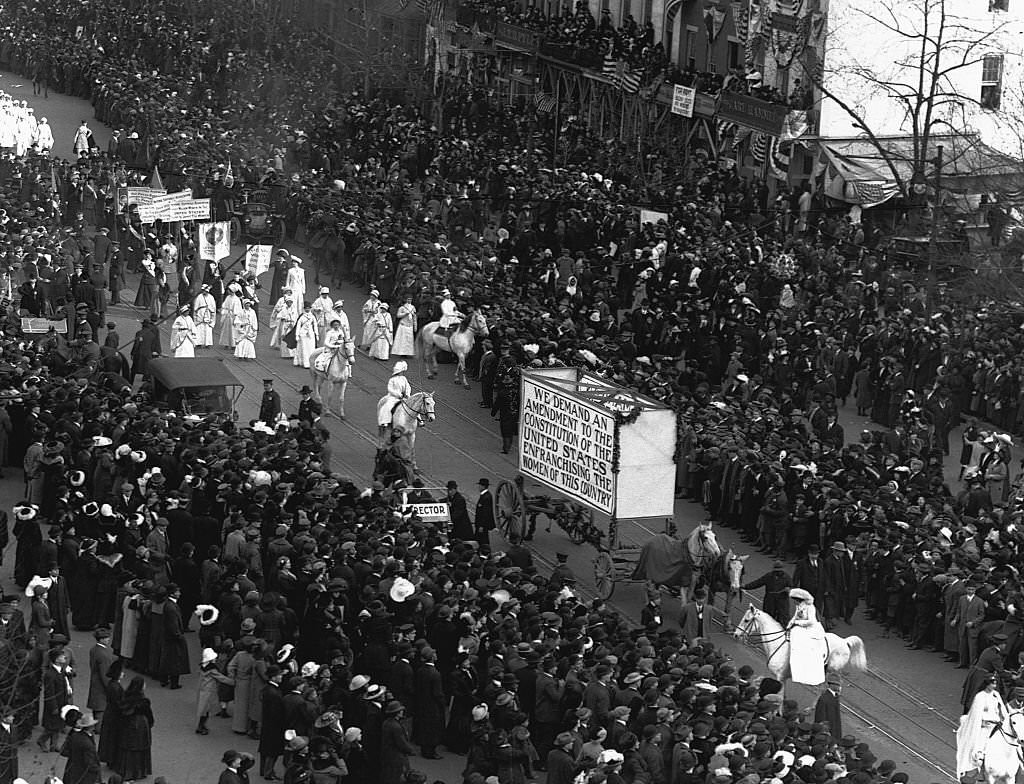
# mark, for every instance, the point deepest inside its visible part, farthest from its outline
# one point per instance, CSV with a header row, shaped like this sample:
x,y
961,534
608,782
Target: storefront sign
x,y
751,113
513,35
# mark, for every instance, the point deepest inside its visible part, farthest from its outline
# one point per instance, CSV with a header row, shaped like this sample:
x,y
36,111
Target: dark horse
x,y
388,468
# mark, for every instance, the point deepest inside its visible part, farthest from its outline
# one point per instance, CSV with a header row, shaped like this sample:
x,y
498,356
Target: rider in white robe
x,y
399,389
339,314
807,646
205,307
987,710
450,316
337,338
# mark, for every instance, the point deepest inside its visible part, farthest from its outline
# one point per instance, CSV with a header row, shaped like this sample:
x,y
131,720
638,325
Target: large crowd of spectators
x,y
326,615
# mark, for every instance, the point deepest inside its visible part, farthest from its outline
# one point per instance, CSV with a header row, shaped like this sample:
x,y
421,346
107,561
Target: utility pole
x,y
933,237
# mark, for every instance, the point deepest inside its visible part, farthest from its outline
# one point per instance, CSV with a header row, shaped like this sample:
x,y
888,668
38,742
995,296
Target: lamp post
x,y
933,237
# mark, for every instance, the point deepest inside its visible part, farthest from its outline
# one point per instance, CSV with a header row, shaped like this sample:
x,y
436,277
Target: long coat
x,y
428,715
174,653
272,724
395,749
240,670
83,765
100,659
55,697
210,678
8,756
827,709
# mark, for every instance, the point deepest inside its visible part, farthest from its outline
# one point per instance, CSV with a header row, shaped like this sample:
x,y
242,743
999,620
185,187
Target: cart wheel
x,y
511,508
236,230
604,575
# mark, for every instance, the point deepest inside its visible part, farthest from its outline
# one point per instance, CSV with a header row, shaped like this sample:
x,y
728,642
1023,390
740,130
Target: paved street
x,y
905,706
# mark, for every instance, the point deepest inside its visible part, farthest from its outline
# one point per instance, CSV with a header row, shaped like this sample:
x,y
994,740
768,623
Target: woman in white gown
x,y
807,647
987,710
405,334
296,280
306,334
369,310
383,334
230,311
246,328
283,318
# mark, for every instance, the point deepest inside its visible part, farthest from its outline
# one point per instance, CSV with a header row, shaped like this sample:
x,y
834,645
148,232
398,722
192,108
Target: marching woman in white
x,y
322,307
283,318
306,334
383,334
205,308
370,308
43,137
296,280
183,334
405,334
230,312
807,647
246,328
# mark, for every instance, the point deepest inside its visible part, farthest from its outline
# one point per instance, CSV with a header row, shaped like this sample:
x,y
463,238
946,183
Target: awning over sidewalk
x,y
856,171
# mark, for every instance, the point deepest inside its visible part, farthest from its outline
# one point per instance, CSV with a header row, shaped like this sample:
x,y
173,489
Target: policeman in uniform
x,y
270,404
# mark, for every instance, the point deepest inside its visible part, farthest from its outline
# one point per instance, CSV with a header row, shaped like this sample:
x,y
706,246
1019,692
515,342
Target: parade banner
x,y
683,99
137,195
603,445
429,513
652,216
189,210
214,240
567,444
257,258
40,326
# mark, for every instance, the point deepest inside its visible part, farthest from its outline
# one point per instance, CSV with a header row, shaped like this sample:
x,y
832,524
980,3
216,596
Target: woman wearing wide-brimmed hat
x,y
807,648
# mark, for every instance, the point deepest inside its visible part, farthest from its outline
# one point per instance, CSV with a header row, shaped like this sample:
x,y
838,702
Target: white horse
x,y
734,565
409,414
1003,757
761,629
334,376
460,343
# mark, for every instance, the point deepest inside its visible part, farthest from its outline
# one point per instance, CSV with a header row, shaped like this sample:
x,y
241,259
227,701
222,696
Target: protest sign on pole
x,y
652,216
190,210
682,100
214,240
257,258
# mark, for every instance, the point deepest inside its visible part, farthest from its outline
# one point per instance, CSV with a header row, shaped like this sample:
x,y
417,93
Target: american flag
x,y
740,137
432,9
629,80
870,192
610,64
759,146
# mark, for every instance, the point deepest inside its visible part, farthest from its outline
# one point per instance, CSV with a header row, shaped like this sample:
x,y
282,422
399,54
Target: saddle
x,y
446,332
322,361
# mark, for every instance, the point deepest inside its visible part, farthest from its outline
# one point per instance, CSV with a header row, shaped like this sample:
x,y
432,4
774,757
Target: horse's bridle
x,y
420,413
760,636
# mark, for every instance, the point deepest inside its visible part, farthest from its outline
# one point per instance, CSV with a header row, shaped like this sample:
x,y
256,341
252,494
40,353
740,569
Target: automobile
x,y
257,219
198,386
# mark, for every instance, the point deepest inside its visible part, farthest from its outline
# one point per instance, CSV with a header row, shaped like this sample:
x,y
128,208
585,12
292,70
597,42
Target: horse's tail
x,y
858,656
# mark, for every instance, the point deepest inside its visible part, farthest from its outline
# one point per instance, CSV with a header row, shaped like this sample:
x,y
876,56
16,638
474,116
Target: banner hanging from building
x,y
682,100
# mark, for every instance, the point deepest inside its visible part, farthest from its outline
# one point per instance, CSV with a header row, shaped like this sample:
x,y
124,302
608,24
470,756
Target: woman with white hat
x,y
399,389
369,310
807,647
383,334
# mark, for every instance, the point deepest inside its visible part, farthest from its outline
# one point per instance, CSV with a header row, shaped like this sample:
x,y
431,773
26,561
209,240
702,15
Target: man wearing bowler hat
x,y
310,411
827,707
483,522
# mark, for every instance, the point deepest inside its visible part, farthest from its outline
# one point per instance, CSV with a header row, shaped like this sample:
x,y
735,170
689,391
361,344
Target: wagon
x,y
615,562
198,385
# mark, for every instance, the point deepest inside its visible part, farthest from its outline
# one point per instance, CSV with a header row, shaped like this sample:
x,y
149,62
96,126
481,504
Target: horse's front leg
x,y
341,399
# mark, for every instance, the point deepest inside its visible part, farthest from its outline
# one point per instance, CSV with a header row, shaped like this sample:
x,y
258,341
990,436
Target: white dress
x,y
230,310
205,308
305,339
807,647
322,307
370,308
975,729
296,281
380,343
283,318
246,328
405,335
183,337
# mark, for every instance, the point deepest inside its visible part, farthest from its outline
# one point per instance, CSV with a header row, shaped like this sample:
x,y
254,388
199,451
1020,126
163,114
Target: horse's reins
x,y
761,637
419,413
